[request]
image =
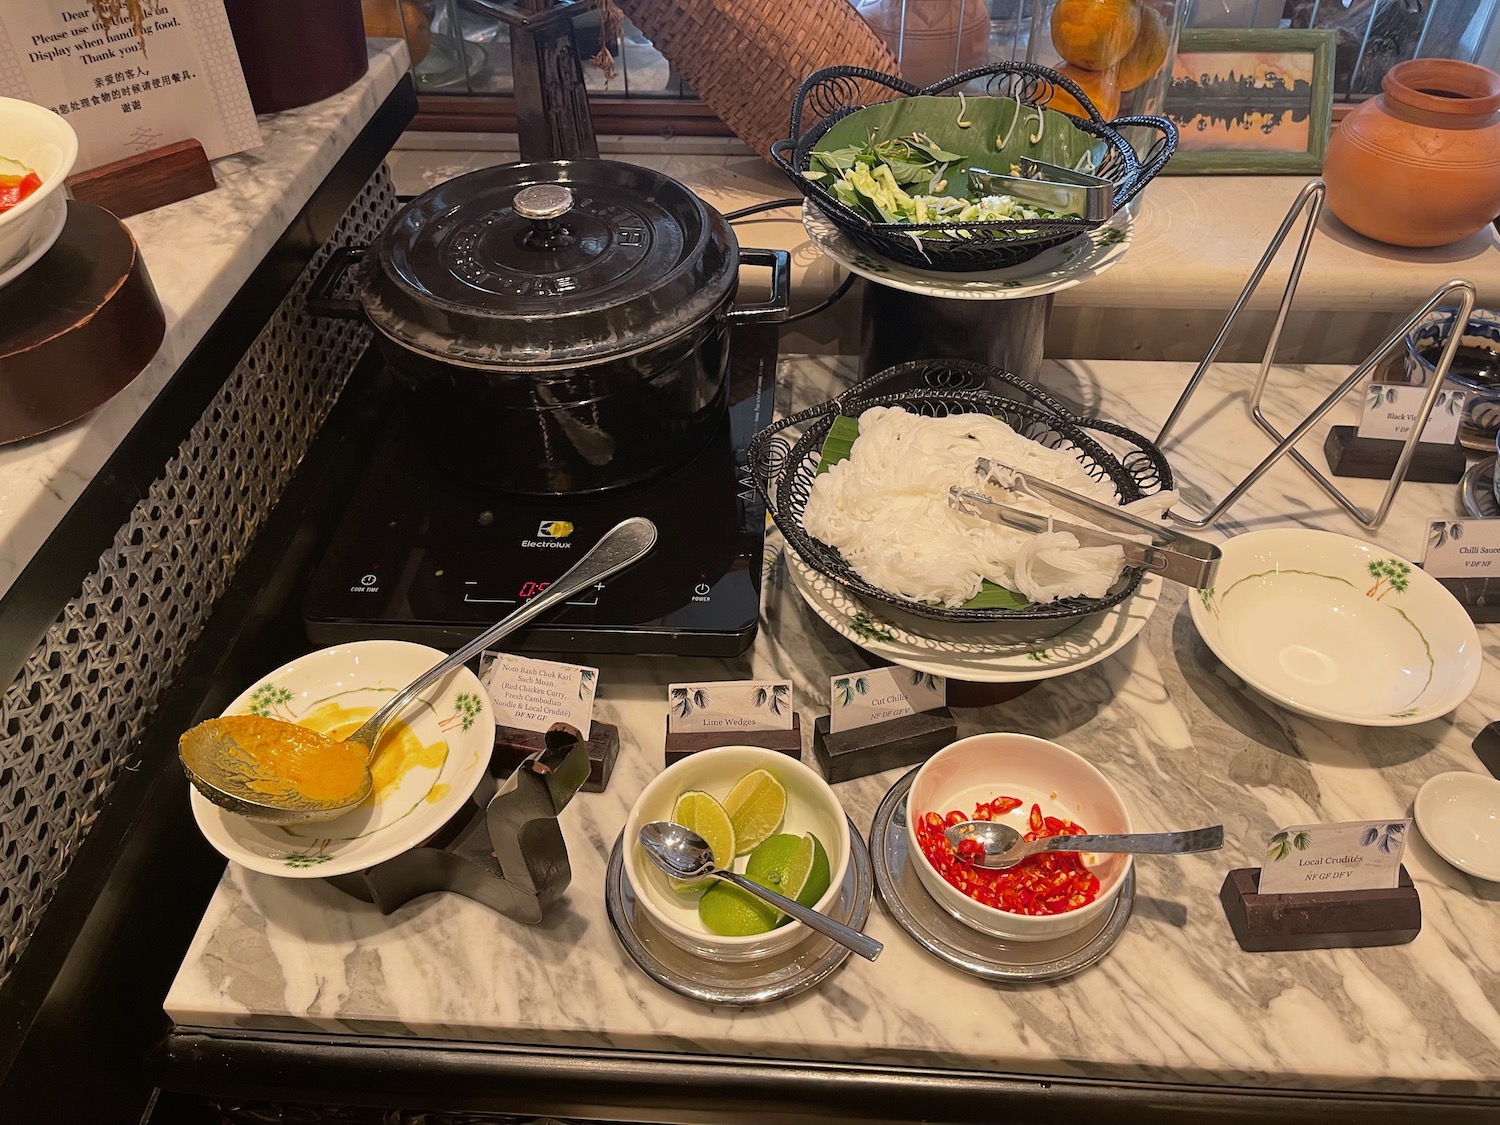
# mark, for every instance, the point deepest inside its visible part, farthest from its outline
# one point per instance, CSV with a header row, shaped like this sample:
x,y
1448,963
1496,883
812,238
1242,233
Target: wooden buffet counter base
x,y
1175,1020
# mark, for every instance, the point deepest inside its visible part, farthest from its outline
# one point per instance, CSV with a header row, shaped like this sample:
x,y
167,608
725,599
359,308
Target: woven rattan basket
x,y
747,58
784,458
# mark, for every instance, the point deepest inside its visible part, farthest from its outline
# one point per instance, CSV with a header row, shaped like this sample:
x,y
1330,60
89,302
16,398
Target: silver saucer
x,y
1478,487
948,939
730,982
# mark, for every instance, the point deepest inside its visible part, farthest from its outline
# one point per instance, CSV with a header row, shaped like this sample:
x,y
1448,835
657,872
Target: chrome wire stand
x,y
1310,200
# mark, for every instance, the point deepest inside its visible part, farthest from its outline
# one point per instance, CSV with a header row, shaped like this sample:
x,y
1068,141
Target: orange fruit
x,y
1147,53
1095,34
1100,86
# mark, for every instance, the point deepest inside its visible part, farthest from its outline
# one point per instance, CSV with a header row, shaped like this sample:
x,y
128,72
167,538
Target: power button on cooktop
x,y
701,592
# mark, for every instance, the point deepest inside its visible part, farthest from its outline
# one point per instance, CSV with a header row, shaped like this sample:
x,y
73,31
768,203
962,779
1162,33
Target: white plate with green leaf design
x,y
963,653
428,764
1051,271
1337,628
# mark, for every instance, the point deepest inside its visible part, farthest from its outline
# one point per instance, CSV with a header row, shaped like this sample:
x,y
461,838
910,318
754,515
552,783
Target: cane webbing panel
x,y
70,721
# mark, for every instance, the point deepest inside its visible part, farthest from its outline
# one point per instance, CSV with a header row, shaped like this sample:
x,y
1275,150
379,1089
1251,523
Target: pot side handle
x,y
774,310
320,300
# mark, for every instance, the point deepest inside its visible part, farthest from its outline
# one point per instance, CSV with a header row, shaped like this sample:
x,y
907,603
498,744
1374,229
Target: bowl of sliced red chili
x,y
1040,789
37,151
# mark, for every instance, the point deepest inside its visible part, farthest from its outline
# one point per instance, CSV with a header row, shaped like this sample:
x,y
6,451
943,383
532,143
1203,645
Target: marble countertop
x,y
199,252
1175,1001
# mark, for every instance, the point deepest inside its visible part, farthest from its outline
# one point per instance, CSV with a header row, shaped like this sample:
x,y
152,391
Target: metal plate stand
x,y
1310,200
508,852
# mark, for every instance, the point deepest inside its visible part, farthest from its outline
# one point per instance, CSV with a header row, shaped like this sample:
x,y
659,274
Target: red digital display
x,y
532,589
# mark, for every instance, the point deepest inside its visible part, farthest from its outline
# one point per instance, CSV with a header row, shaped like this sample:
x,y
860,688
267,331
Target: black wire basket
x,y
784,461
829,95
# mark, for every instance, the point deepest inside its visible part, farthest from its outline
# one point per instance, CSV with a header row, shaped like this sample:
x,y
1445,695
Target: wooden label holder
x,y
848,754
1317,919
148,180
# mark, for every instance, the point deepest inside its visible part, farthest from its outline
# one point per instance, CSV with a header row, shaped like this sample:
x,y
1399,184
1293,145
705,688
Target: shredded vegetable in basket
x,y
873,181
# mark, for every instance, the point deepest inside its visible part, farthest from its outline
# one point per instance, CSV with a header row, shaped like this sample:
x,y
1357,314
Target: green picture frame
x,y
1241,93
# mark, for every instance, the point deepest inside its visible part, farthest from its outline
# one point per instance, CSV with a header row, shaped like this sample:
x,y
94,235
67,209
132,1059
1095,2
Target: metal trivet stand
x,y
506,851
1310,199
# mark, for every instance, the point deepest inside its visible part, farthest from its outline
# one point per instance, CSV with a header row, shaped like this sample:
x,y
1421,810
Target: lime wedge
x,y
728,911
756,807
704,815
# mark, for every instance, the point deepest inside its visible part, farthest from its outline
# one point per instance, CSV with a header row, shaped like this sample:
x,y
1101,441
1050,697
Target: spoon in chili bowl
x,y
995,846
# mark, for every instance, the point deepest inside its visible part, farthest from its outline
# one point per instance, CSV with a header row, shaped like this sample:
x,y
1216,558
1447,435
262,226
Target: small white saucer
x,y
1459,815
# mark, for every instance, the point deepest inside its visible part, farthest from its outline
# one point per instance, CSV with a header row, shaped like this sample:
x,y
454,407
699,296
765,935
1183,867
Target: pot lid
x,y
547,263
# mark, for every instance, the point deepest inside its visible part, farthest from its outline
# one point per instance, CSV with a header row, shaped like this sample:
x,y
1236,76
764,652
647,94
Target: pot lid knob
x,y
541,202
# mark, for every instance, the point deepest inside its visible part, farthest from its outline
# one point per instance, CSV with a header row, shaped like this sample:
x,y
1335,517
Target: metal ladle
x,y
684,854
222,771
1003,846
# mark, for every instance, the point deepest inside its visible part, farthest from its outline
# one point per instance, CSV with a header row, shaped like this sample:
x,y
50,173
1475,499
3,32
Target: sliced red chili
x,y
1048,883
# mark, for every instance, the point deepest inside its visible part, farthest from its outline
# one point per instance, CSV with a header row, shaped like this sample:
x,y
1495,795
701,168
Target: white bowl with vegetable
x,y
687,916
34,142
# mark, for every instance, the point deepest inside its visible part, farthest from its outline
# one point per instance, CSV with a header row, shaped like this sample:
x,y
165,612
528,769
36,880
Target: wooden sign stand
x,y
1318,919
845,755
148,180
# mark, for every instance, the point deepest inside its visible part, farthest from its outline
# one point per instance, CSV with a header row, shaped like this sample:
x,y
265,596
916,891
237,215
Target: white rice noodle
x,y
886,509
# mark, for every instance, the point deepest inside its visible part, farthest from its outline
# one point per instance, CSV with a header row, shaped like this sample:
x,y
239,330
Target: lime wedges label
x,y
756,807
704,815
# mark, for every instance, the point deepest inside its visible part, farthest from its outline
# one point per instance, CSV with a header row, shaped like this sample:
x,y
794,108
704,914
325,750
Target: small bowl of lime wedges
x,y
766,816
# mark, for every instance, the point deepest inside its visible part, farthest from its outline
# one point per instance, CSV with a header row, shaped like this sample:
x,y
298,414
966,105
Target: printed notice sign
x,y
860,699
131,86
1462,549
1356,855
533,694
729,705
1391,409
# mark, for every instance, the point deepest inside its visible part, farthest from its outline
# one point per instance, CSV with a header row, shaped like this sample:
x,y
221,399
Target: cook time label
x,y
1463,549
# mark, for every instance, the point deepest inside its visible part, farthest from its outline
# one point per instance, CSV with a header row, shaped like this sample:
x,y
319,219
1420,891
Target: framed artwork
x,y
1251,101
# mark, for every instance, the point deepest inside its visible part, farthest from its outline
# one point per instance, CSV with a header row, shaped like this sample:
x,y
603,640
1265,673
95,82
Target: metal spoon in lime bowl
x,y
684,854
260,768
1003,846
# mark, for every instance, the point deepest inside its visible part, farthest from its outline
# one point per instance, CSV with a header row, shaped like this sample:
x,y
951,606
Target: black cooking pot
x,y
562,326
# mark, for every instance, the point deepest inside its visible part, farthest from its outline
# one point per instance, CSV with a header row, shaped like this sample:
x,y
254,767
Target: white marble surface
x,y
1176,1000
199,252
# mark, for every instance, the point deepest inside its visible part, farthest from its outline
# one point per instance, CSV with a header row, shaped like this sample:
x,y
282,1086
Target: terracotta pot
x,y
1419,165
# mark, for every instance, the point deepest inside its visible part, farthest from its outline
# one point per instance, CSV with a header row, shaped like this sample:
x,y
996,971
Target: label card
x,y
1462,549
729,705
860,699
1391,408
1356,855
128,88
533,694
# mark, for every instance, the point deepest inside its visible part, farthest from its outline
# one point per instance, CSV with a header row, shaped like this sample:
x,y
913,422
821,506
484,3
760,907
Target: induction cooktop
x,y
422,556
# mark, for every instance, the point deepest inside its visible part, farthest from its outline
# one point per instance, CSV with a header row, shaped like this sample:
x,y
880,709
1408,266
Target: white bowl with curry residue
x,y
427,765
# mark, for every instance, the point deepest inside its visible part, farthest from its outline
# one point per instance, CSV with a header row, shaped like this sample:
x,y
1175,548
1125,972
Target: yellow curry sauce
x,y
307,763
400,749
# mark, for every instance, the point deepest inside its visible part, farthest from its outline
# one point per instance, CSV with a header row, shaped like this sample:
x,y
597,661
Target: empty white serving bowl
x,y
811,806
1338,628
986,766
1459,815
45,144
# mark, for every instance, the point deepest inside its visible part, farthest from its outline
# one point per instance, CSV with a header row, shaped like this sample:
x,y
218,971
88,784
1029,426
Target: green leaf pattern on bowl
x,y
1391,575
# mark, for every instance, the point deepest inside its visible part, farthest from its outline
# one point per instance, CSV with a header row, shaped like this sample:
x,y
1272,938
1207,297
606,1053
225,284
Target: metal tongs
x,y
1051,186
1174,556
